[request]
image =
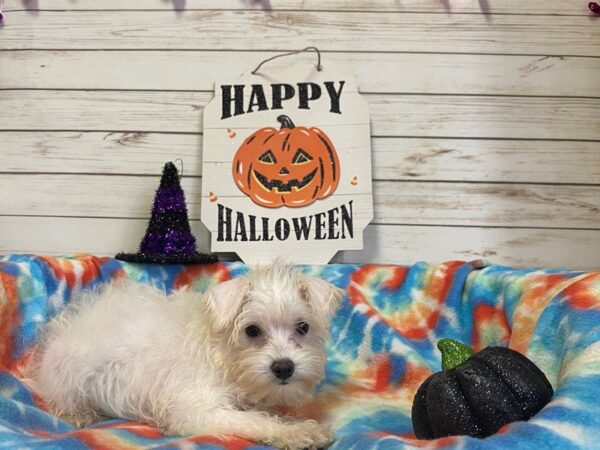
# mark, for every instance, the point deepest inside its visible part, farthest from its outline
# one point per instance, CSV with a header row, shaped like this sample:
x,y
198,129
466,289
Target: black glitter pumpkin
x,y
478,393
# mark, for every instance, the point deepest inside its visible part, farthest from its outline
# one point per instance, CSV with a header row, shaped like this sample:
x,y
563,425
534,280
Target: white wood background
x,y
485,118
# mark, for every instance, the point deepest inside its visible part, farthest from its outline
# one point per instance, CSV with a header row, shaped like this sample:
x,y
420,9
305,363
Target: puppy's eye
x,y
302,328
253,331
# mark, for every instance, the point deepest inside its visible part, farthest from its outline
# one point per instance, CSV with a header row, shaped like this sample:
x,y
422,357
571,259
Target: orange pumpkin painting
x,y
293,166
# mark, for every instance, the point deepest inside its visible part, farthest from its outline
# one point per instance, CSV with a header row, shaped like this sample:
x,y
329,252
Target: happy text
x,y
265,97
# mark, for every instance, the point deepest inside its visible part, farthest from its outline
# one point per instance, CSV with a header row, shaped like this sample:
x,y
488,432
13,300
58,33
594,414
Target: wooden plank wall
x,y
485,118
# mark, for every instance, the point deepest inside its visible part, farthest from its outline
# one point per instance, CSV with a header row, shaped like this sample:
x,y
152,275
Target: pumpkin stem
x,y
454,353
285,122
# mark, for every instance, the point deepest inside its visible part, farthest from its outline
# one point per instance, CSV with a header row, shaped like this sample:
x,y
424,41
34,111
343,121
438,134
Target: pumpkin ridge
x,y
507,383
249,178
315,192
419,408
322,172
500,405
452,374
331,156
526,362
529,367
285,141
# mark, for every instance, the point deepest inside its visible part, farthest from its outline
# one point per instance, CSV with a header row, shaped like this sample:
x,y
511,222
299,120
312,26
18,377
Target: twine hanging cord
x,y
319,66
181,162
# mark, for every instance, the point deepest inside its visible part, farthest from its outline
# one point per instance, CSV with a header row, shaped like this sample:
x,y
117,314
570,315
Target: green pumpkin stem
x,y
454,353
285,122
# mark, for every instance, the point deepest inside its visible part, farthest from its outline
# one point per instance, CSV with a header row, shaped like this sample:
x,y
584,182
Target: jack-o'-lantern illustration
x,y
292,166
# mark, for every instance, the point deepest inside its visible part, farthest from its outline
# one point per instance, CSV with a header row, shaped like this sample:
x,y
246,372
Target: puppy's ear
x,y
225,301
323,297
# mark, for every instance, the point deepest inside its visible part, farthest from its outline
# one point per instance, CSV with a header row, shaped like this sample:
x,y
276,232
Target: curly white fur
x,y
185,362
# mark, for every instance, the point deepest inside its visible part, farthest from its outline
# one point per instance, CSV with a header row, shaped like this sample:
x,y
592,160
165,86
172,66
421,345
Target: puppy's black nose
x,y
283,368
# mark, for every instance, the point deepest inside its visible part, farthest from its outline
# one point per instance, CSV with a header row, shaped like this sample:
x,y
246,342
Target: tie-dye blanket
x,y
382,347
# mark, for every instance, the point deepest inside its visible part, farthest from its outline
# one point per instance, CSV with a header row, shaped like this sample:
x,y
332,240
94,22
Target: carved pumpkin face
x,y
292,166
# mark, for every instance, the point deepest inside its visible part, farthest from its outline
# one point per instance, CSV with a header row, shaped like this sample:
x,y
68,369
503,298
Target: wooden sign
x,y
287,166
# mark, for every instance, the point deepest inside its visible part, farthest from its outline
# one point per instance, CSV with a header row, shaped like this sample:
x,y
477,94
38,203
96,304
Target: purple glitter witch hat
x,y
168,239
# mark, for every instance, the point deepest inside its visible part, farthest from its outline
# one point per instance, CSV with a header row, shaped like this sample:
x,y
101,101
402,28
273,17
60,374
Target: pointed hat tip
x,y
170,175
170,166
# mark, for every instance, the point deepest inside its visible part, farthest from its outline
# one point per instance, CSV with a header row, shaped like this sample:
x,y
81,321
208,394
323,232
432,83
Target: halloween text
x,y
335,223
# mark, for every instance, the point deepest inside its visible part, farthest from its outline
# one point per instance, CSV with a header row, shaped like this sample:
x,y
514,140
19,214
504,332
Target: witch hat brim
x,y
158,258
168,238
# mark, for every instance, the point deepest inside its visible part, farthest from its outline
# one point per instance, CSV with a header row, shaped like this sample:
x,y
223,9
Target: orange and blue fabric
x,y
382,346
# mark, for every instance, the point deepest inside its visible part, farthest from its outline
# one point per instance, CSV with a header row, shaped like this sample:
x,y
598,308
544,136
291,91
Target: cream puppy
x,y
188,363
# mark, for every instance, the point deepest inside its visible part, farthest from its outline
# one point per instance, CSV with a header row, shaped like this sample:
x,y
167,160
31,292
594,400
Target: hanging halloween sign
x,y
287,165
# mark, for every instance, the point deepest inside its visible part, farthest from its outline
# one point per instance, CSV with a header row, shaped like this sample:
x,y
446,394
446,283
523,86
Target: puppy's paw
x,y
303,435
